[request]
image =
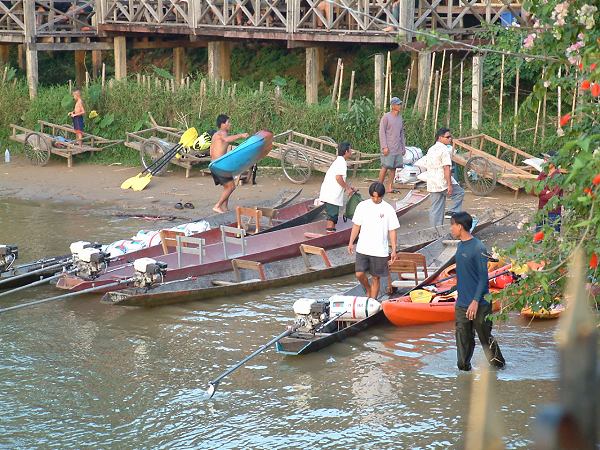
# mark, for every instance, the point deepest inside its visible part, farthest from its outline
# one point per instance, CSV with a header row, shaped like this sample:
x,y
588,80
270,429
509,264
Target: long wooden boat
x,y
261,248
23,274
315,264
438,254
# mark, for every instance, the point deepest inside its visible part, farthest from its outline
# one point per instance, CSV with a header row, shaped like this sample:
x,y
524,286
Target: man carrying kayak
x,y
218,147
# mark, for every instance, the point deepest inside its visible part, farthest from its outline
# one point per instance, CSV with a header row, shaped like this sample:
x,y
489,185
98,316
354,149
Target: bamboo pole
x,y
501,98
203,87
406,88
70,86
87,79
339,92
435,99
559,103
388,82
138,78
233,90
336,81
517,79
449,93
460,99
429,86
537,122
575,93
439,95
544,106
351,93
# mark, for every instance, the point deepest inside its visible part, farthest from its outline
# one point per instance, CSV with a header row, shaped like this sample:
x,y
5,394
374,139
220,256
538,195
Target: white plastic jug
x,y
6,156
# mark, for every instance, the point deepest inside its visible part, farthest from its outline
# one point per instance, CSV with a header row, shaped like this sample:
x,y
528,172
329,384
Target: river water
x,y
79,374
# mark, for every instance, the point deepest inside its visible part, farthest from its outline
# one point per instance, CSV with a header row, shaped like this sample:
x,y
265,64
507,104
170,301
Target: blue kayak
x,y
243,156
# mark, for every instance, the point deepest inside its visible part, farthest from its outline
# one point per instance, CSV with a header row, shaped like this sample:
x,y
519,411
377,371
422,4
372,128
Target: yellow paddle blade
x,y
421,296
187,139
142,182
129,182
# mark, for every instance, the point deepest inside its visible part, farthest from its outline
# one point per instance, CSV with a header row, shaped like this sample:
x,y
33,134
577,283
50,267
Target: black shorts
x,y
220,180
78,123
375,265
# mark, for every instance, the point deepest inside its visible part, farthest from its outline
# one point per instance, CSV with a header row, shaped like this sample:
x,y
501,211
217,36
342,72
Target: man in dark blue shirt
x,y
472,309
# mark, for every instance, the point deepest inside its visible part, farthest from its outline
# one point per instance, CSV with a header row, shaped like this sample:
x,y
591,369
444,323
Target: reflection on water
x,y
80,374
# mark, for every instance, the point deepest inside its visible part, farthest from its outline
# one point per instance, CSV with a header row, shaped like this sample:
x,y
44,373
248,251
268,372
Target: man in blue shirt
x,y
472,309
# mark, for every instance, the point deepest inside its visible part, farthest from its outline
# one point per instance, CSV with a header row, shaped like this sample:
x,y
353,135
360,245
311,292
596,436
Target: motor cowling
x,y
8,254
89,261
148,271
310,313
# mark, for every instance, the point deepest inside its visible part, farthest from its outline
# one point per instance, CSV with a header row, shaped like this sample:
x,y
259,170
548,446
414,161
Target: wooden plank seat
x,y
242,264
408,266
306,250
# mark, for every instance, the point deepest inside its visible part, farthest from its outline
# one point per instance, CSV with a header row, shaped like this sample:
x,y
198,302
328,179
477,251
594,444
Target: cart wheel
x,y
151,151
328,139
509,157
480,175
36,149
296,165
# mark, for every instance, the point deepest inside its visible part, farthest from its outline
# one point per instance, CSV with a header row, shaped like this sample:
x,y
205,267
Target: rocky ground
x,y
96,187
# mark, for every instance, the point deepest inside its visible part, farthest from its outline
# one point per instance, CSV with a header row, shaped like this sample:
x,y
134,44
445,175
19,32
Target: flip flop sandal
x,y
178,205
188,205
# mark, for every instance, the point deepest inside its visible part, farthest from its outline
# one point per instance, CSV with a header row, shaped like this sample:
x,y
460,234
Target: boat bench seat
x,y
231,283
310,235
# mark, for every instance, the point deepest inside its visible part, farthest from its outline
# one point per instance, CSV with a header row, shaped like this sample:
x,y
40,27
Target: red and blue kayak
x,y
243,156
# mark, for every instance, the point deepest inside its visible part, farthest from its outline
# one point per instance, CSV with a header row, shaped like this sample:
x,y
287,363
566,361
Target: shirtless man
x,y
77,116
218,147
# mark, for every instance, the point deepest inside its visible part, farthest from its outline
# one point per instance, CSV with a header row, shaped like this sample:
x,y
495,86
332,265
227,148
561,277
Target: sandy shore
x,y
96,187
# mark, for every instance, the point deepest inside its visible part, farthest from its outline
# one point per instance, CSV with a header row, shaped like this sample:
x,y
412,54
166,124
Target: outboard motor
x,y
148,271
88,260
310,313
8,254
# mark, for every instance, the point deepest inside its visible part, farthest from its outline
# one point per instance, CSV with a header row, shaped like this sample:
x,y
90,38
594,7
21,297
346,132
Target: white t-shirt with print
x,y
376,220
438,156
331,191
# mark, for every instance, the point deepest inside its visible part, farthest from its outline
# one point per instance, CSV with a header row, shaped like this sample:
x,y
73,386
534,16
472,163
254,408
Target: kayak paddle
x,y
140,181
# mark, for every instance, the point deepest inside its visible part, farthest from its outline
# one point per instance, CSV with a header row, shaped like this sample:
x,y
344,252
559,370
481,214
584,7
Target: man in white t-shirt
x,y
375,224
440,183
334,185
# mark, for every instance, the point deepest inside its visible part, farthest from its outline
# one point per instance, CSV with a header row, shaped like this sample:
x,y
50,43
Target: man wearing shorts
x,y
375,224
334,185
77,116
218,147
391,142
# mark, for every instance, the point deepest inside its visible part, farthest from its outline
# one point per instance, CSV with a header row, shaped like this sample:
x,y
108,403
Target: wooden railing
x,y
322,18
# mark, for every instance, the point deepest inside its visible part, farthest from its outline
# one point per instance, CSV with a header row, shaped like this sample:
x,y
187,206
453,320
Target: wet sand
x,y
97,188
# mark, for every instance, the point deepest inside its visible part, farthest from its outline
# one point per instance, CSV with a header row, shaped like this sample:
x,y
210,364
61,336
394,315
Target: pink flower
x,y
559,13
529,40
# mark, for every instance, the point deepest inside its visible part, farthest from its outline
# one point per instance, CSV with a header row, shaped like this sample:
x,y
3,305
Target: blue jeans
x,y
438,204
553,220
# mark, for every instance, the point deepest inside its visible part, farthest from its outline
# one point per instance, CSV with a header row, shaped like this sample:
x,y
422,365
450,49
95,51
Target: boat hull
x,y
543,314
243,156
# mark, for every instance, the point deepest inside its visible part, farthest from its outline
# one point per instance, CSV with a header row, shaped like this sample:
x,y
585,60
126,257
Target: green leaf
x,y
67,101
162,73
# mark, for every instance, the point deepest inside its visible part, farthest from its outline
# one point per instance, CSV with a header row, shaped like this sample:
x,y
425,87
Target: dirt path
x,y
95,187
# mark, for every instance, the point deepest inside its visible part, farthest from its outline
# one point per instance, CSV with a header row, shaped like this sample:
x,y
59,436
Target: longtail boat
x,y
216,257
315,263
321,323
15,275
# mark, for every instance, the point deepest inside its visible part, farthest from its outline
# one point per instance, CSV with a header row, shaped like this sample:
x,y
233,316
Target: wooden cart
x,y
488,161
152,143
300,154
58,140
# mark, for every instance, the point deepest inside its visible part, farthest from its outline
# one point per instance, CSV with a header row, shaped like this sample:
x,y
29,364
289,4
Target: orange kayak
x,y
403,311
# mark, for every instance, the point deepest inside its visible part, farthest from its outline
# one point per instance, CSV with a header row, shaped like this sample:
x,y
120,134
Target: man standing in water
x,y
218,147
391,142
77,116
375,224
472,308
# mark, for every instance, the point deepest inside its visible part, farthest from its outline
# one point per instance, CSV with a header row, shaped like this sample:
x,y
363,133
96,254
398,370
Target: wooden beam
x,y
314,69
179,64
219,60
31,57
4,50
72,46
146,44
120,51
424,75
379,78
12,38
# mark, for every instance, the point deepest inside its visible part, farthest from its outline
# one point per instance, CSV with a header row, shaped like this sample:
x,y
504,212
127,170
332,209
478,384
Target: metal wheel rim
x,y
296,166
508,156
480,175
36,149
150,152
328,139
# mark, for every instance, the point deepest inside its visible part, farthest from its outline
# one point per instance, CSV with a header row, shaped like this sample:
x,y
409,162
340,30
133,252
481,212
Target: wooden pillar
x,y
406,20
423,80
21,56
4,50
179,64
219,60
314,72
120,49
96,63
414,75
79,68
379,79
31,57
477,93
